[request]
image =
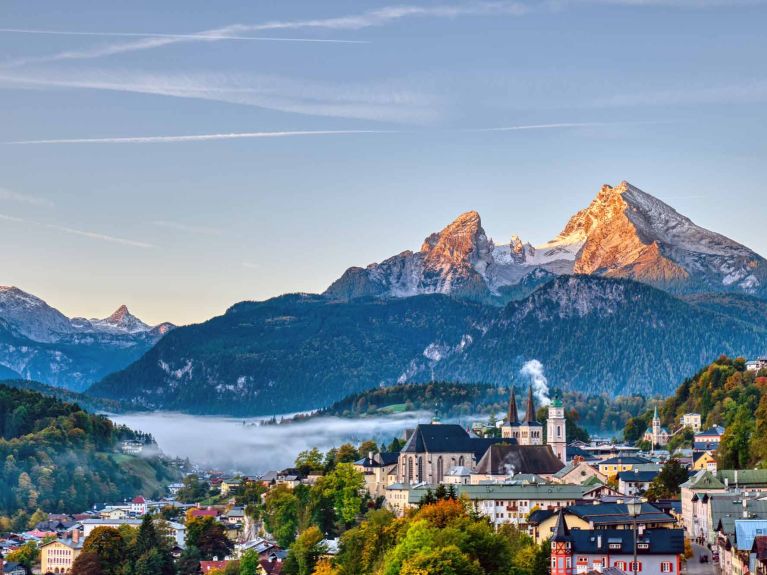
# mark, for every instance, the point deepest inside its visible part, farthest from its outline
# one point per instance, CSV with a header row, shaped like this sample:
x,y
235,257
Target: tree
x,y
26,555
281,514
343,485
193,490
249,563
309,461
667,483
189,561
209,537
444,561
304,553
146,538
108,544
149,563
366,447
87,563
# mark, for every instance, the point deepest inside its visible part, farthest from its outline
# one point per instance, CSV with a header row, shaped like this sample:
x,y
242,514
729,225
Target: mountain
x,y
64,460
39,342
623,233
301,352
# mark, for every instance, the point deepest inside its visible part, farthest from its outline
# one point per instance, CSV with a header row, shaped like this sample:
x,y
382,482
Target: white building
x,y
178,531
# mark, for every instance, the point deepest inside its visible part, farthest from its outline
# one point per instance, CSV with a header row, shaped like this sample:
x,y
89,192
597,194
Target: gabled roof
x,y
746,530
743,477
704,479
561,532
602,541
637,476
513,459
711,431
603,514
437,438
625,460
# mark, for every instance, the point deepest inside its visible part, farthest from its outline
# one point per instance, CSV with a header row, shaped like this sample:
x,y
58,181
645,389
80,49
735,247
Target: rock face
x,y
39,342
623,233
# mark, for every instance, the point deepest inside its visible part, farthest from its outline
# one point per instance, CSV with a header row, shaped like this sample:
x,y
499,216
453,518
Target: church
x,y
530,430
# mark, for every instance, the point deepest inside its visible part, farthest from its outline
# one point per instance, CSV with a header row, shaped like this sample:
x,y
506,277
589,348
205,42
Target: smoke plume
x,y
534,370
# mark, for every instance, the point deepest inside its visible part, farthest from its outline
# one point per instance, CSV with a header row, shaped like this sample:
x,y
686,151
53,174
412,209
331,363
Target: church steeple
x,y
513,417
530,412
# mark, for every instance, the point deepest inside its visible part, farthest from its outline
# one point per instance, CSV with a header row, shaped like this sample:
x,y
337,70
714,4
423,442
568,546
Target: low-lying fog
x,y
242,445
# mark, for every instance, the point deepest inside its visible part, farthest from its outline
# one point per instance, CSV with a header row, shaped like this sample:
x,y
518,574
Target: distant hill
x,y
92,404
62,459
298,352
40,343
724,393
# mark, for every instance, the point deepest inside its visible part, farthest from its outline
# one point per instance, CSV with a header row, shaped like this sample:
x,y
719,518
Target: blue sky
x,y
337,133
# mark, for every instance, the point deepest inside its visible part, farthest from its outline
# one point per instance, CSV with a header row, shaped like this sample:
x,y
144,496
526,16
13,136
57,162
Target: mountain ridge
x,y
624,233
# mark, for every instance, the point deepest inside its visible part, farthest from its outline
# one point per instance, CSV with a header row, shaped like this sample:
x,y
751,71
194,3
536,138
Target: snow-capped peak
x,y
121,320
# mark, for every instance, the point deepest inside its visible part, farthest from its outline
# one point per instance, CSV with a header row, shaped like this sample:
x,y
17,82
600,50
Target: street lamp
x,y
634,508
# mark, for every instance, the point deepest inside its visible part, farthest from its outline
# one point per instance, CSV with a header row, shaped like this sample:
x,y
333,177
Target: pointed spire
x,y
655,415
513,417
561,532
530,412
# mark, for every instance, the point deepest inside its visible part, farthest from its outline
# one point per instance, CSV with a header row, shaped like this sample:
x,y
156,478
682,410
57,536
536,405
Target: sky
x,y
181,156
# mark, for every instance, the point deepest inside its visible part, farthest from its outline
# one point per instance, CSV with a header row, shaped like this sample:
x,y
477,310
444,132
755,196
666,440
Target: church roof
x,y
508,459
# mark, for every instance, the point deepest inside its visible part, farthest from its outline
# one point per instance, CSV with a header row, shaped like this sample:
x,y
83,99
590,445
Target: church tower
x,y
556,432
561,547
530,430
655,428
510,428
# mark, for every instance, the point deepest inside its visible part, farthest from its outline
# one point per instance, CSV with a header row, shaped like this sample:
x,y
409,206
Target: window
x,y
666,567
621,565
637,567
615,545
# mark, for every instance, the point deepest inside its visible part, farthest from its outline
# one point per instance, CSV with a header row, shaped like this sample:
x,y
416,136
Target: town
x,y
594,507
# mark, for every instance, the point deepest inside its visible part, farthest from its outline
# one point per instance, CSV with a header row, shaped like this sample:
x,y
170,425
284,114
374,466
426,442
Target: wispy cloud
x,y
181,227
680,4
78,232
371,18
555,126
388,101
197,137
24,198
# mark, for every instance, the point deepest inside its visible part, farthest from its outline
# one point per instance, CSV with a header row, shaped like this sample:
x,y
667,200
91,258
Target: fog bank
x,y
240,444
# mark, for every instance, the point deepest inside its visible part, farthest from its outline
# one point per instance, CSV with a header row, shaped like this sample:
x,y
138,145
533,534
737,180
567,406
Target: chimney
x,y
599,541
75,536
370,455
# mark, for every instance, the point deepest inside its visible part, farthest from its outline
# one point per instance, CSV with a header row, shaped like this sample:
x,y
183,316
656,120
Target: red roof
x,y
206,566
139,499
204,513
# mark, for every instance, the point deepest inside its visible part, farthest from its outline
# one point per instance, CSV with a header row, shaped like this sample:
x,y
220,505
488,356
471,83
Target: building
x,y
578,472
694,519
703,460
138,506
691,421
178,531
230,486
527,432
757,364
58,556
600,516
735,546
613,466
656,435
635,482
511,503
507,461
377,470
556,430
580,550
12,568
434,449
709,439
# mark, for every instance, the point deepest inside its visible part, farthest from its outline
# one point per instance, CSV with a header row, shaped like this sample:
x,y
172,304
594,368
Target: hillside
x,y
302,352
724,393
88,403
62,459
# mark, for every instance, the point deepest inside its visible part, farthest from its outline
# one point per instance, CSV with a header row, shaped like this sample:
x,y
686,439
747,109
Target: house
x,y
57,556
694,519
735,546
613,466
377,470
207,512
458,476
601,516
709,439
578,550
178,531
635,482
703,460
114,513
138,506
510,503
508,460
12,568
577,471
235,516
229,486
759,555
691,421
757,364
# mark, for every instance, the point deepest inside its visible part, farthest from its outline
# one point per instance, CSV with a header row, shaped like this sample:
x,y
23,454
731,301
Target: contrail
x,y
197,137
198,36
